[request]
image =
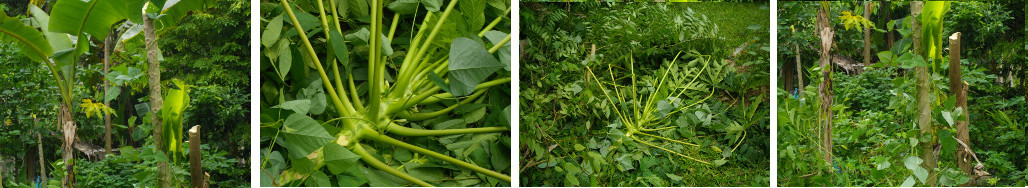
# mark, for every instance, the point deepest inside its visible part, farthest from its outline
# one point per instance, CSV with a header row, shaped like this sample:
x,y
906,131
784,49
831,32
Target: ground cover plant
x,y
644,94
87,75
903,94
351,101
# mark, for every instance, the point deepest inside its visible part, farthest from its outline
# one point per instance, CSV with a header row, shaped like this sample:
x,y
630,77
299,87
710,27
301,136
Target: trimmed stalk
x,y
387,140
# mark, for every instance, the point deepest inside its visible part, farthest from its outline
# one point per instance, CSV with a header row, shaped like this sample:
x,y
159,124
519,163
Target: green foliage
x,y
138,166
210,47
876,141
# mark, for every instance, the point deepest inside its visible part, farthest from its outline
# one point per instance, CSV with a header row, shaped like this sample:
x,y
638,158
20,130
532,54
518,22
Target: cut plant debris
x,y
644,94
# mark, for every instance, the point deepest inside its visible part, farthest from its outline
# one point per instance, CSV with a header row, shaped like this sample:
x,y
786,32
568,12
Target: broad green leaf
x,y
474,14
909,182
272,31
378,178
58,41
720,162
433,5
94,17
500,155
112,93
299,106
175,102
29,40
403,6
302,135
438,81
948,117
285,59
886,56
318,179
914,164
882,165
338,159
339,49
673,177
352,177
949,144
470,64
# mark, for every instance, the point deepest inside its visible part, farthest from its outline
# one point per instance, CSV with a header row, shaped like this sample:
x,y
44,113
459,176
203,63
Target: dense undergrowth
x,y
876,139
572,135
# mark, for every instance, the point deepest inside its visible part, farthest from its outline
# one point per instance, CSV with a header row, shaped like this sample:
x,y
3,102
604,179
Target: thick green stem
x,y
646,109
493,24
397,107
371,160
673,152
411,116
375,89
624,120
343,111
439,97
407,131
387,140
668,139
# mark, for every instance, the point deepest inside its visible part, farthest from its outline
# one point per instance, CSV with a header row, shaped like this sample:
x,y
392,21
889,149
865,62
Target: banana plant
x,y
446,69
175,103
647,115
59,42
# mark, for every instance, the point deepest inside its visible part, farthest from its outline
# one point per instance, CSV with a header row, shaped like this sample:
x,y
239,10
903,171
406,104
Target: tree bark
x,y
787,78
959,88
825,88
867,37
888,17
195,166
42,159
107,117
924,110
68,148
799,71
154,76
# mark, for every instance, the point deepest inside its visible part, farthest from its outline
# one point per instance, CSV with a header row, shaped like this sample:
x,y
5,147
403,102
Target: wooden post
x,y
867,37
799,71
42,160
197,176
959,88
825,88
924,120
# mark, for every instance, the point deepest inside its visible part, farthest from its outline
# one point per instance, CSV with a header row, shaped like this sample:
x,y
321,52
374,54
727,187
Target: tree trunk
x,y
825,89
924,110
42,159
799,71
958,88
787,78
195,167
30,164
107,117
888,17
1,171
154,76
867,37
68,148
